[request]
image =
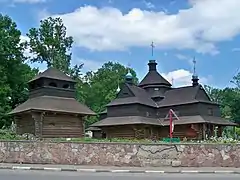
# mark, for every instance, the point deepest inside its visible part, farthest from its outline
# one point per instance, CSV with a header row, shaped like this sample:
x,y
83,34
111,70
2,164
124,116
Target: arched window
x,y
66,86
52,84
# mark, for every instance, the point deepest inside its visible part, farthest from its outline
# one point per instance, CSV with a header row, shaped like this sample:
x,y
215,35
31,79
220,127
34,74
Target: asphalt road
x,y
43,175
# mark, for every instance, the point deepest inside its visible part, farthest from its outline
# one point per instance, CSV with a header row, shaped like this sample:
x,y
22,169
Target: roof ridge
x,y
181,87
53,73
55,97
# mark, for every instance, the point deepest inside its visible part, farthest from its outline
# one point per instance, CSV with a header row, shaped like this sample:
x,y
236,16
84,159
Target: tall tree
x,y
236,81
50,44
13,72
214,93
236,100
99,88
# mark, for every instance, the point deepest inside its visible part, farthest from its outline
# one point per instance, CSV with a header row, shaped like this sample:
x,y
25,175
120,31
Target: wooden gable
x,y
125,92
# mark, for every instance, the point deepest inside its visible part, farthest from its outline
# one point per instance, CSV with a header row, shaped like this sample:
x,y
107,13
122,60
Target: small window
x,y
52,84
210,111
66,86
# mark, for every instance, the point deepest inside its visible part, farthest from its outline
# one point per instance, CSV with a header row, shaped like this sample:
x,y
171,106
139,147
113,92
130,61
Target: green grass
x,y
86,139
6,134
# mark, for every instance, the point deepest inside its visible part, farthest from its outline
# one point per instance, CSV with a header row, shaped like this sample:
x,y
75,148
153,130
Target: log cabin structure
x,y
139,111
51,110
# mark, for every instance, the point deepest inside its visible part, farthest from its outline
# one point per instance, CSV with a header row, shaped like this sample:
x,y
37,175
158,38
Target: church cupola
x,y
129,78
153,78
152,65
195,80
154,83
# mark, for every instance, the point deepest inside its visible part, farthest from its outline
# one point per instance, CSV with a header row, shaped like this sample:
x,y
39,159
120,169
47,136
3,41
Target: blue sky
x,y
122,31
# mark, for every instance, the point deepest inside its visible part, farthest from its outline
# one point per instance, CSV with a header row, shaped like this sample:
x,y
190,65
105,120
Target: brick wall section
x,y
119,154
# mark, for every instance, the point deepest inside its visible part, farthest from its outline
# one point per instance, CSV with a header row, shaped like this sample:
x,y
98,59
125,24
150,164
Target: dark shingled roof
x,y
199,119
54,104
53,73
153,78
126,120
182,95
140,97
93,129
113,121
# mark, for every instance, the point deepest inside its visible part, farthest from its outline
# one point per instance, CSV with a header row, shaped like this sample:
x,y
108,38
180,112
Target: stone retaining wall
x,y
119,154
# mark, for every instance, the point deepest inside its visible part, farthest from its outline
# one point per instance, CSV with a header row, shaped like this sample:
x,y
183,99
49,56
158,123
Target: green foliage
x,y
99,88
214,93
51,45
236,81
14,72
83,140
229,100
6,134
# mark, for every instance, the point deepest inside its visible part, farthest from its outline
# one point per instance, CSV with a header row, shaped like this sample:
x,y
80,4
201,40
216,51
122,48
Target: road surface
x,y
43,175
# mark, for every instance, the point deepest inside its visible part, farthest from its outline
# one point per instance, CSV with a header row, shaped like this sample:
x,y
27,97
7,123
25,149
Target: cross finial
x,y
152,45
194,65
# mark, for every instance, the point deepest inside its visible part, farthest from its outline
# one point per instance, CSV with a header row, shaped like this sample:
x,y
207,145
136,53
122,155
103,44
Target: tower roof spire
x,y
194,76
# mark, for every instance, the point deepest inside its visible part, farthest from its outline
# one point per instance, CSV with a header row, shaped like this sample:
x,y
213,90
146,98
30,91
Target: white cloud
x,y
29,1
182,77
149,5
199,27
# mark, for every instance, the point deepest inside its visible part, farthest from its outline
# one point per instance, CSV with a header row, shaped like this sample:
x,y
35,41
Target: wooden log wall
x,y
62,126
119,132
132,132
24,124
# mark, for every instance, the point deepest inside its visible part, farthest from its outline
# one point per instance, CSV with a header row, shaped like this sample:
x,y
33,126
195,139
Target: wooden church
x,y
139,111
51,110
